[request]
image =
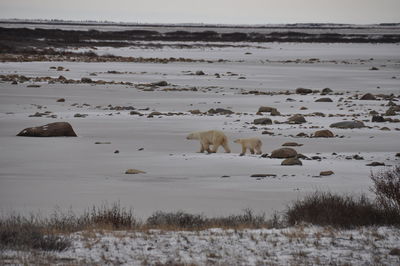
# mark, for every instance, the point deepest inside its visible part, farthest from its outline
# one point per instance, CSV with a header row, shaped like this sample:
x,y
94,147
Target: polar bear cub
x,y
251,144
215,138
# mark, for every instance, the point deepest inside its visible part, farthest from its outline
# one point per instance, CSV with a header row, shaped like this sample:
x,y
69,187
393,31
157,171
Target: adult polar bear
x,y
215,138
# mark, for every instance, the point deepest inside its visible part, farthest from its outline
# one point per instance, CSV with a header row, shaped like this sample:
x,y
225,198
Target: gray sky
x,y
207,11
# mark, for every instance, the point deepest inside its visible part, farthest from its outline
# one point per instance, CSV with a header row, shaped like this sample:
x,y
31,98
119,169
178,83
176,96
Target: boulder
x,y
291,144
284,153
221,111
86,80
57,129
377,118
291,161
200,73
267,109
326,91
326,173
368,97
61,100
325,100
348,124
323,134
390,112
262,121
376,164
303,91
162,83
297,119
134,171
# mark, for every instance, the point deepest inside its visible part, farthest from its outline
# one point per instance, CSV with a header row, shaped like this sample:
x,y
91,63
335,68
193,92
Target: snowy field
x,y
40,174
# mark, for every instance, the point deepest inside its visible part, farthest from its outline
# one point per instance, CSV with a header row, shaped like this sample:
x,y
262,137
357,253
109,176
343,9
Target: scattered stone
x,y
377,118
267,109
225,176
325,100
391,111
162,83
195,112
221,111
376,164
33,86
323,134
385,129
14,82
348,124
61,100
368,97
395,252
315,157
134,171
262,121
326,91
297,119
291,161
102,142
303,108
284,153
302,135
155,113
292,144
263,175
374,68
116,151
266,132
135,113
200,73
86,80
326,173
358,157
80,115
303,91
57,129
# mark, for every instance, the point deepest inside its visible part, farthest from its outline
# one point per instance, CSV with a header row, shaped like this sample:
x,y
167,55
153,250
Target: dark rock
x,y
102,142
80,115
262,121
291,161
86,80
162,83
323,134
135,113
368,97
374,68
377,118
348,124
376,164
297,119
395,252
390,112
57,129
263,175
267,109
116,151
134,171
284,153
266,132
325,100
358,157
291,144
200,73
301,134
397,154
61,100
326,91
326,173
221,111
303,91
315,157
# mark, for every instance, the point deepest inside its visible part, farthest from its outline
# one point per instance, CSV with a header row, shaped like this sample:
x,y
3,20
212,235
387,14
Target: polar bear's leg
x,y
252,150
258,150
225,145
243,150
206,146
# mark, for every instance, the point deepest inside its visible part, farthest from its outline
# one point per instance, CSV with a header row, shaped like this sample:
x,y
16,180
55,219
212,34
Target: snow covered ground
x,y
42,173
290,246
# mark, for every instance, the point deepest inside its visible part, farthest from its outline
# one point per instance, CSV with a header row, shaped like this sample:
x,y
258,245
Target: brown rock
x,y
284,153
368,97
327,100
57,129
291,144
61,100
303,91
134,172
323,134
262,121
326,173
291,161
297,119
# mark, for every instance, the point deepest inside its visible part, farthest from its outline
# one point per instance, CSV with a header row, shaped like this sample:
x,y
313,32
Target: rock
x,y
395,252
262,121
14,82
390,112
61,100
303,91
291,144
397,154
86,80
325,100
200,73
302,156
221,111
263,175
323,134
377,118
275,112
162,83
291,161
358,157
297,119
57,129
326,91
135,113
267,109
33,86
374,68
348,124
134,171
266,132
155,113
326,173
375,164
284,153
116,151
315,157
102,142
195,112
368,97
80,115
302,135
385,129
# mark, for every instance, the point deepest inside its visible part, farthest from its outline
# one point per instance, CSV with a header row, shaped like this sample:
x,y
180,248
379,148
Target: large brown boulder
x,y
323,134
297,119
368,96
284,153
303,91
324,100
291,161
57,129
262,121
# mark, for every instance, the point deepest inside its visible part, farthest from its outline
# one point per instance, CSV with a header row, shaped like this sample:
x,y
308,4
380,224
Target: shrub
x,y
386,187
176,220
325,208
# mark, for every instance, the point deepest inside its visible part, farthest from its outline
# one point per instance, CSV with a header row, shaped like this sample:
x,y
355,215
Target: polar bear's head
x,y
191,136
237,140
